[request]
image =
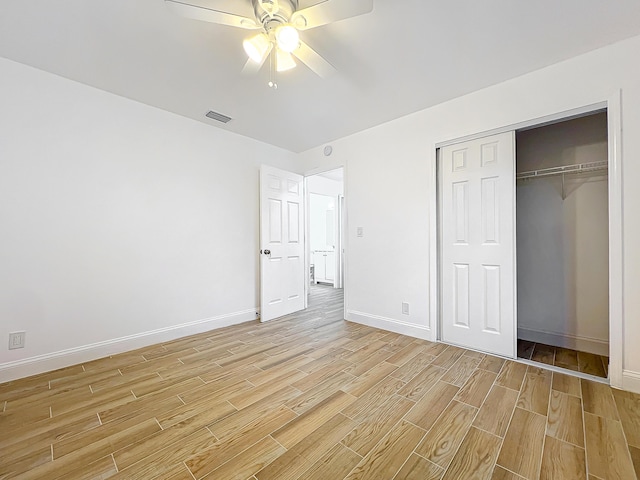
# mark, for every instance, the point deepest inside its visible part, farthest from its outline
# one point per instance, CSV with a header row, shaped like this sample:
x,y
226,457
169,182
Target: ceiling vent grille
x,y
218,116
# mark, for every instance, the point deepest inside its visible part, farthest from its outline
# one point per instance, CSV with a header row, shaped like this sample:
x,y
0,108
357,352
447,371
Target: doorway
x,y
563,245
325,214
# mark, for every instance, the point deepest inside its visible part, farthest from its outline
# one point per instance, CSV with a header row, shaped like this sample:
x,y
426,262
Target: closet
x,y
562,244
523,242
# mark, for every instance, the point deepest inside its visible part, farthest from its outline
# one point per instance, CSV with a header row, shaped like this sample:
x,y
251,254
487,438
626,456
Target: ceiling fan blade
x,y
210,15
252,67
314,60
329,11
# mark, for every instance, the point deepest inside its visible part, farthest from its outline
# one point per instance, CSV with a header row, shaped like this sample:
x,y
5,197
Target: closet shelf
x,y
563,170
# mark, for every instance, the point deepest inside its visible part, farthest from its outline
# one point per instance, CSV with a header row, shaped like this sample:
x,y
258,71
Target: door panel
x,y
478,244
282,271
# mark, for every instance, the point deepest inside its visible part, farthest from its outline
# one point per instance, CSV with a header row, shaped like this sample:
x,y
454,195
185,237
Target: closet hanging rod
x,y
577,168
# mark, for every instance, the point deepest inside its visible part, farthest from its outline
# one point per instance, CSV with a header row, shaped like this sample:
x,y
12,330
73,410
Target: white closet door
x,y
478,244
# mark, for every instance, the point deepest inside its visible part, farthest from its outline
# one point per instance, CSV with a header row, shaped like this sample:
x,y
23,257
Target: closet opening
x,y
562,244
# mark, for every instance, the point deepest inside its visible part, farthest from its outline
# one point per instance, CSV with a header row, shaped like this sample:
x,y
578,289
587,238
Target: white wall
x,y
118,220
395,260
562,243
319,206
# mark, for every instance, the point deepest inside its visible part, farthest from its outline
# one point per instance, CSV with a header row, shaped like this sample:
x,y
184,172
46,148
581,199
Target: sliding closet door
x,y
478,244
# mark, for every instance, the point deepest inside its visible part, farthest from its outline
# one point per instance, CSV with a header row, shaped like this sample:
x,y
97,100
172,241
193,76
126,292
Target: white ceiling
x,y
405,56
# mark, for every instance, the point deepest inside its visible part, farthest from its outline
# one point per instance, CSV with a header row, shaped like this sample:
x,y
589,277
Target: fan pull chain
x,y
272,70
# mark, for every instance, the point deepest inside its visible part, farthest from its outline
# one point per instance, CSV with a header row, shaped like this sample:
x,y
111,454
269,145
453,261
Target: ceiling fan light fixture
x,y
287,38
284,61
257,47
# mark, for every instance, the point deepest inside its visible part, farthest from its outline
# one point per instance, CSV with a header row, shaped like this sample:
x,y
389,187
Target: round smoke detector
x,y
328,150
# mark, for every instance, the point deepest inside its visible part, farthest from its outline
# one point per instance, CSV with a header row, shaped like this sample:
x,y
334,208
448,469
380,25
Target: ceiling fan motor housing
x,y
281,14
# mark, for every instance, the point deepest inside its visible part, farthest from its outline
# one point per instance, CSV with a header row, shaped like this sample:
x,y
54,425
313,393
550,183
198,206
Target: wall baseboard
x,y
390,324
631,381
583,344
73,356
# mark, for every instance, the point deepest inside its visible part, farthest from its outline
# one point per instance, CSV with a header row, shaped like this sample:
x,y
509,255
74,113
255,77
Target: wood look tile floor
x,y
596,365
314,397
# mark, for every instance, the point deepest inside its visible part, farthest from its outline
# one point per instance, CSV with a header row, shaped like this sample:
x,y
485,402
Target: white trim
x,y
630,381
583,344
72,356
616,244
534,123
389,324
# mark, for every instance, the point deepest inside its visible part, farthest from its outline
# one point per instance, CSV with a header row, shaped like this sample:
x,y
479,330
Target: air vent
x,y
218,116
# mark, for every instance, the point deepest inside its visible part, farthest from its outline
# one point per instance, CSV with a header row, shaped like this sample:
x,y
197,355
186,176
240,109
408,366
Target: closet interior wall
x,y
562,237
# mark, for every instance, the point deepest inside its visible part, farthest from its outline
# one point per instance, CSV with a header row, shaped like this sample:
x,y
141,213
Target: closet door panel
x,y
478,244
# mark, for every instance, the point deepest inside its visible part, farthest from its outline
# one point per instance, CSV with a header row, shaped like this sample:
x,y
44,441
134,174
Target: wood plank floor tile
x,y
607,452
475,457
565,419
591,364
635,458
526,428
525,349
476,388
566,384
376,424
373,398
413,367
367,380
565,356
388,456
313,397
500,473
442,442
337,463
162,463
216,453
495,414
562,460
534,395
628,404
598,399
249,462
21,462
304,454
418,468
405,354
543,354
296,430
447,358
511,375
492,364
421,383
427,410
460,371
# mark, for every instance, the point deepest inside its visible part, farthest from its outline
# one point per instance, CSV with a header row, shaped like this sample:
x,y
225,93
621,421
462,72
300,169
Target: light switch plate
x,y
16,340
359,231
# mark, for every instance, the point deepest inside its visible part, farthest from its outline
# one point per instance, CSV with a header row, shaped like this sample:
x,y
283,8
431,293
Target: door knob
x,y
267,252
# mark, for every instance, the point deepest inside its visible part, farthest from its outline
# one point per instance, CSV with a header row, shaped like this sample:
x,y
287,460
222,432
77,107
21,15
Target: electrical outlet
x,y
405,308
16,340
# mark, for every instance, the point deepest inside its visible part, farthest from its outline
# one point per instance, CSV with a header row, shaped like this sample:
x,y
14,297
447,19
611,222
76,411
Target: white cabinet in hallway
x,y
324,266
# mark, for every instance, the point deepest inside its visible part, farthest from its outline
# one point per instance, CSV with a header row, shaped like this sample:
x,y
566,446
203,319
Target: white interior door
x,y
478,244
282,266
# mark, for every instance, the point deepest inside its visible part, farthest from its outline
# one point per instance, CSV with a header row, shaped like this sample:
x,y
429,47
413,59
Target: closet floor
x,y
597,365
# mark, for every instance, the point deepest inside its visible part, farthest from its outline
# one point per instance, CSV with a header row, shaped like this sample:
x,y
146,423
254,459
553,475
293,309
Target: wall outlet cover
x,y
16,340
405,308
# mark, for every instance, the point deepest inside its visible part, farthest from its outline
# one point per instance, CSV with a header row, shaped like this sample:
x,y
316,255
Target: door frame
x,y
612,105
343,230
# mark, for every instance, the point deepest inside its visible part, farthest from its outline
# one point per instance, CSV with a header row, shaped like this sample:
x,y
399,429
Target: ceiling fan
x,y
279,23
